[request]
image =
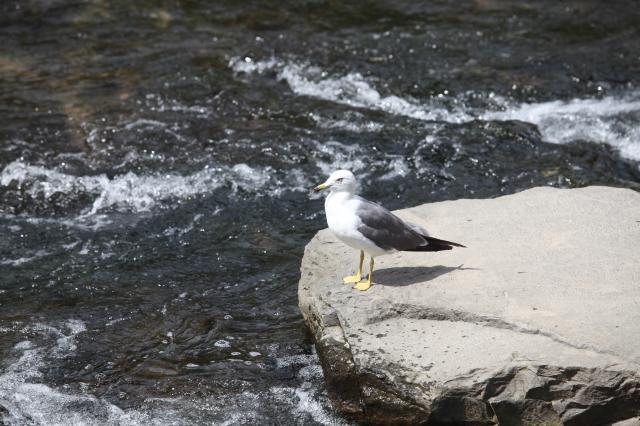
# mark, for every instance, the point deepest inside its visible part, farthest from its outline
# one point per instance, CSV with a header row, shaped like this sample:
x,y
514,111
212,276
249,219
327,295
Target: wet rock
x,y
536,322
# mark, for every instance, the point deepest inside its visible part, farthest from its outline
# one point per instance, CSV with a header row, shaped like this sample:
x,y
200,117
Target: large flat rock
x,y
537,321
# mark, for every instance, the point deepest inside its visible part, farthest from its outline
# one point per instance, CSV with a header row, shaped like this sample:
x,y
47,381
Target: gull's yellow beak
x,y
320,187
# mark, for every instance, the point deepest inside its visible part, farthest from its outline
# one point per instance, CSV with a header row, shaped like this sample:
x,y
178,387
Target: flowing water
x,y
156,156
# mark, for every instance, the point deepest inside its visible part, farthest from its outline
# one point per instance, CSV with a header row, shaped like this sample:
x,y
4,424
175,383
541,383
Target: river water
x,y
156,159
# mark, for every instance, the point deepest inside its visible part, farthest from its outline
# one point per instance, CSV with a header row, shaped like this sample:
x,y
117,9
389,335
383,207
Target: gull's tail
x,y
435,244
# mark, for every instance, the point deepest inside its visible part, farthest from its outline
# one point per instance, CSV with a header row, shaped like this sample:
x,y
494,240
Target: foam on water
x,y
397,167
610,120
25,259
170,231
248,65
351,124
25,399
339,156
306,399
131,192
359,159
352,89
141,122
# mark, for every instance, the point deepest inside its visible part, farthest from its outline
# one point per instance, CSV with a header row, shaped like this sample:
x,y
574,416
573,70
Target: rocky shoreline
x,y
535,323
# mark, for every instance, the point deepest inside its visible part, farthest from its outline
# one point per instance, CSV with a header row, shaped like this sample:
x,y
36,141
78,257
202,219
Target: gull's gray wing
x,y
385,229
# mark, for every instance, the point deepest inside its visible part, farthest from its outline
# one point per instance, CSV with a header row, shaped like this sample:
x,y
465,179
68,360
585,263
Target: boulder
x,y
536,322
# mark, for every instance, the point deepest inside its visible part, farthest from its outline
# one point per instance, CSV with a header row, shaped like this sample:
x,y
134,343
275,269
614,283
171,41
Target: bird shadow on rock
x,y
407,275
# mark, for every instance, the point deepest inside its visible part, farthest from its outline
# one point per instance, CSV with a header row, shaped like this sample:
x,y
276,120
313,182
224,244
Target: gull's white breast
x,y
340,208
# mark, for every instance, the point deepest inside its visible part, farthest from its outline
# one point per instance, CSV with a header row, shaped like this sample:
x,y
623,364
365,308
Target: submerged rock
x,y
536,322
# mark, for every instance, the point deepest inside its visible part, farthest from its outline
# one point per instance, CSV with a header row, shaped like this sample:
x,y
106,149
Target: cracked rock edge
x,y
525,395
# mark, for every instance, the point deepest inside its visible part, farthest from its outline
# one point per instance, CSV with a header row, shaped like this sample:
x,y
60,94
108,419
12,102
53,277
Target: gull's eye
x,y
339,180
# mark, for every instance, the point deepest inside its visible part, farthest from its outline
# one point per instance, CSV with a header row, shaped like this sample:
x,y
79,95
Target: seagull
x,y
369,227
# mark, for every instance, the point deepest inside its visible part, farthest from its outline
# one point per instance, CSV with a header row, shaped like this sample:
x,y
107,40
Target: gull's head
x,y
340,180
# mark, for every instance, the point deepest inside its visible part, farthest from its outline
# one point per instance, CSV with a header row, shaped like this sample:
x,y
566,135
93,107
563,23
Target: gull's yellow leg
x,y
366,284
357,277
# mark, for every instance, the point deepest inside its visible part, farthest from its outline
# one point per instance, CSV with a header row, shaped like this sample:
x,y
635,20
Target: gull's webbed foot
x,y
363,286
351,279
366,284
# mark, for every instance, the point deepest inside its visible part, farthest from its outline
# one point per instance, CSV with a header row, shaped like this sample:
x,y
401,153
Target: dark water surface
x,y
155,160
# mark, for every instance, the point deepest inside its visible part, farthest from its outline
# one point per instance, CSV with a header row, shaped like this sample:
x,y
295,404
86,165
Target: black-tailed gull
x,y
369,227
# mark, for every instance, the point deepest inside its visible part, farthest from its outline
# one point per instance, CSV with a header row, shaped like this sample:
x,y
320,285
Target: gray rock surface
x,y
536,322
